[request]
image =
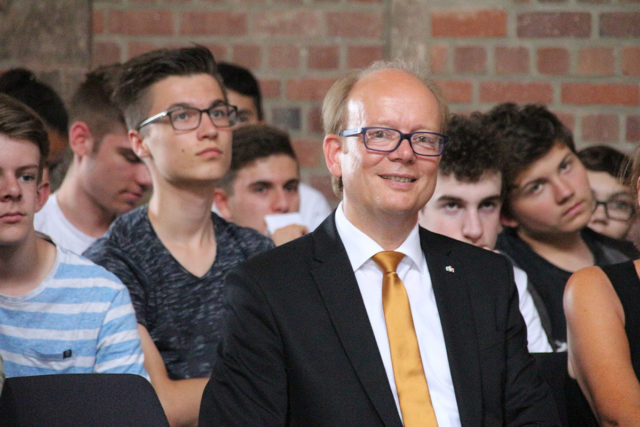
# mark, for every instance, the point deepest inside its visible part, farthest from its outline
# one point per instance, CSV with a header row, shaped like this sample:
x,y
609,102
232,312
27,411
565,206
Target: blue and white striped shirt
x,y
78,320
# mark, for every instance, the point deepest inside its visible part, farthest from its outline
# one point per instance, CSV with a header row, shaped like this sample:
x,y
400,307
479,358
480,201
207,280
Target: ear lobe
x,y
42,194
508,221
138,144
80,139
221,200
332,148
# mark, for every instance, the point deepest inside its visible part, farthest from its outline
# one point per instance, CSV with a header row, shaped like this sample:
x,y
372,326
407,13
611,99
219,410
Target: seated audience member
x,y
59,312
547,206
609,176
244,92
603,331
174,253
24,86
105,178
263,180
466,204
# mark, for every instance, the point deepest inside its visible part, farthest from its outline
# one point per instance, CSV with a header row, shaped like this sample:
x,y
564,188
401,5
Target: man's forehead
x,y
488,185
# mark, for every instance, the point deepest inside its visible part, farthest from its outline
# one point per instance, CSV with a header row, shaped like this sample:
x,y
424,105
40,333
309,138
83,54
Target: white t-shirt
x,y
314,207
51,221
537,341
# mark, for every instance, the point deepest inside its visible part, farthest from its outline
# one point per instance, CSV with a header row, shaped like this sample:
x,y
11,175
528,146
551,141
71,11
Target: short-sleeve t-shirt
x,y
182,312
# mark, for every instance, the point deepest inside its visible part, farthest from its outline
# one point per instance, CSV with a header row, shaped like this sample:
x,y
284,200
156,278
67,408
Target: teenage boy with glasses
x,y
174,253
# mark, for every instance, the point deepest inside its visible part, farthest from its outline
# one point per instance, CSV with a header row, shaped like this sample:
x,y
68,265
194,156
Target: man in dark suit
x,y
311,330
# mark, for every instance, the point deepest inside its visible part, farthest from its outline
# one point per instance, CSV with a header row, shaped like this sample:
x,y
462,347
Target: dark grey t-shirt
x,y
182,312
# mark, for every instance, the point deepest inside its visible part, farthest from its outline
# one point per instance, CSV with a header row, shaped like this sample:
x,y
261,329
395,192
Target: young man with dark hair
x,y
262,184
23,85
174,253
547,206
609,175
105,178
244,92
59,312
467,200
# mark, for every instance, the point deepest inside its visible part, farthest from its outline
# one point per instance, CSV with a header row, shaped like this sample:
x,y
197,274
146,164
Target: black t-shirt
x,y
182,312
549,281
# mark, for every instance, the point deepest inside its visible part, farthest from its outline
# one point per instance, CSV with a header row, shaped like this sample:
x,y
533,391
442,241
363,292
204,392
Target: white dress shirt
x,y
414,273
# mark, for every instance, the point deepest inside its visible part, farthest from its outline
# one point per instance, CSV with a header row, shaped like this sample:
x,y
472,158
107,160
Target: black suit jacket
x,y
298,348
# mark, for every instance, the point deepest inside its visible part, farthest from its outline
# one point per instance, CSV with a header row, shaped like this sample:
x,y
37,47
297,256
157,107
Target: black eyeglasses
x,y
616,209
188,118
387,140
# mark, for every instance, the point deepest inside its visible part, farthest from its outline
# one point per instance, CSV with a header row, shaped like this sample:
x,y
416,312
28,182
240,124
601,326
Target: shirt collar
x,y
360,247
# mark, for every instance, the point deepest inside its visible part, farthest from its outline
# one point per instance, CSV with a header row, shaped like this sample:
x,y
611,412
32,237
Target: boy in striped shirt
x,y
59,312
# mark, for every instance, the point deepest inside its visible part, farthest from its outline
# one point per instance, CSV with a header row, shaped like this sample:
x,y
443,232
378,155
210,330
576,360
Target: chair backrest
x,y
80,400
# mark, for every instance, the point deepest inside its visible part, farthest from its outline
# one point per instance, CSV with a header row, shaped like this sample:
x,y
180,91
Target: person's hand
x,y
288,233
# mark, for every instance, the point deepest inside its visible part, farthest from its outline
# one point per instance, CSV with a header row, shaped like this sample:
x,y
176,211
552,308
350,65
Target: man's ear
x,y
80,139
332,148
221,200
42,194
138,144
508,221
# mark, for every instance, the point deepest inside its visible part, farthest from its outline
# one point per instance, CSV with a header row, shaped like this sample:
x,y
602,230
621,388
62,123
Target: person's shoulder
x,y
72,266
249,240
624,247
457,247
127,230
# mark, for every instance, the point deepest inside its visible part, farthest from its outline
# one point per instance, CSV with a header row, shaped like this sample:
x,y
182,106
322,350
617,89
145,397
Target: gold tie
x,y
411,384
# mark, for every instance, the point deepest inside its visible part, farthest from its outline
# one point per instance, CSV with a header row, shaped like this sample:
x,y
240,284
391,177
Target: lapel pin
x,y
450,269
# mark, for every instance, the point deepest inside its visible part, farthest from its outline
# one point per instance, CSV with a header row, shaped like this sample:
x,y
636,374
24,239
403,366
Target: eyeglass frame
x,y
233,110
597,203
363,131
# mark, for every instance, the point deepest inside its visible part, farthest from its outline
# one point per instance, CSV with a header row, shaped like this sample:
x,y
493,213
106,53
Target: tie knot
x,y
388,260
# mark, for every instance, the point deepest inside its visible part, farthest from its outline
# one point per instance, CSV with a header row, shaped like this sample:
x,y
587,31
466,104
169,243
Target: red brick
x,y
216,23
438,57
137,48
596,61
512,60
308,89
568,119
633,129
479,23
323,57
314,119
456,91
97,22
284,57
270,88
355,24
561,24
288,23
631,61
620,24
600,94
600,128
553,60
140,22
361,56
246,55
103,53
496,92
470,60
308,152
219,51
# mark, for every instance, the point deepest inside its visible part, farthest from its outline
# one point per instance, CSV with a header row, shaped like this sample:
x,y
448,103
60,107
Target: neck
x,y
389,230
80,208
181,214
568,251
24,266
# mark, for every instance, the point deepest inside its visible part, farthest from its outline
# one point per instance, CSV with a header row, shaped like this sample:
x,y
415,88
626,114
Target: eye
x,y
566,165
488,206
28,177
379,134
260,188
291,187
182,115
218,113
451,207
424,139
533,188
620,205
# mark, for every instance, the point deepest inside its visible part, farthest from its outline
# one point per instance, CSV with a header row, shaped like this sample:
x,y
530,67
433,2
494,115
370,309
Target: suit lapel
x,y
338,287
450,282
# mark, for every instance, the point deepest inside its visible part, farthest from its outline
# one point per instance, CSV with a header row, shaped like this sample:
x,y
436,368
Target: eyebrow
x,y
215,103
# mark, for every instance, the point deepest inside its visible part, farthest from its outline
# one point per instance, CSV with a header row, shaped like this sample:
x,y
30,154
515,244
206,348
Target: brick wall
x,y
580,57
